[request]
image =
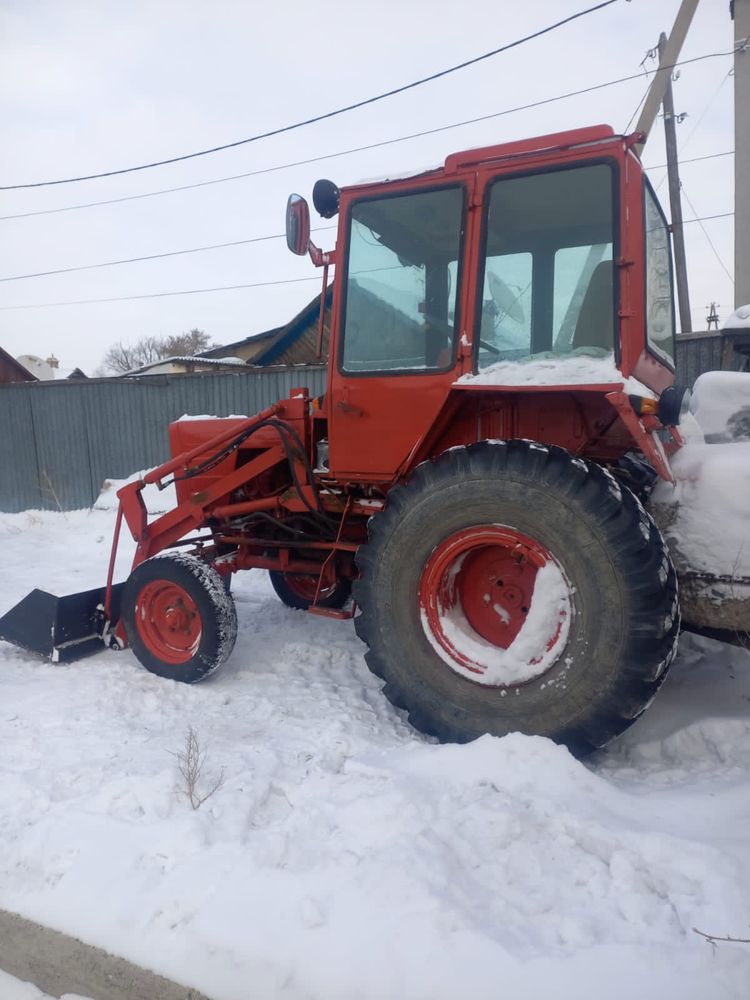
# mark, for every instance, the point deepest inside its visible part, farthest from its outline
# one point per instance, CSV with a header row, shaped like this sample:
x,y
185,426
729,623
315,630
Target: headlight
x,y
674,403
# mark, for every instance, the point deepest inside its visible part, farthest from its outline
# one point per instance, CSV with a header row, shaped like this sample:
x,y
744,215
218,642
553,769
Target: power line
x,y
707,218
705,233
255,284
694,159
155,256
358,149
641,102
705,111
163,295
702,115
326,115
221,246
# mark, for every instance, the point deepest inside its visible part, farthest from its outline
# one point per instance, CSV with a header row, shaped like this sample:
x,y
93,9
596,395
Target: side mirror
x,y
297,225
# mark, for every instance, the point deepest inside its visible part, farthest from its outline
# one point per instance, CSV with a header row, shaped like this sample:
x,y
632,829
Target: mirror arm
x,y
321,326
319,257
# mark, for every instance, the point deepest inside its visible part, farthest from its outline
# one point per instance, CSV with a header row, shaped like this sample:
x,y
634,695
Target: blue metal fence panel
x,y
19,472
62,446
59,441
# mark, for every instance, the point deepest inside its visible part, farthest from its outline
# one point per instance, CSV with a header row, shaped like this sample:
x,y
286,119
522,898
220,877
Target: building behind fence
x,y
59,441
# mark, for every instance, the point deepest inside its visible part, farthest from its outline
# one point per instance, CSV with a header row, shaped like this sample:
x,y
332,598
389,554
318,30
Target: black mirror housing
x,y
326,198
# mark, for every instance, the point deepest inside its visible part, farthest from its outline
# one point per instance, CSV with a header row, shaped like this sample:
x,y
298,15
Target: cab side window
x,y
401,282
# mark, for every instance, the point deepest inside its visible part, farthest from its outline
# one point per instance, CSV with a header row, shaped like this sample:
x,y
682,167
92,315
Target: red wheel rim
x,y
495,605
168,621
305,587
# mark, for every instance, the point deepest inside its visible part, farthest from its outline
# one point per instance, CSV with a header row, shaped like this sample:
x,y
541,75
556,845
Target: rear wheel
x,y
299,591
179,619
511,586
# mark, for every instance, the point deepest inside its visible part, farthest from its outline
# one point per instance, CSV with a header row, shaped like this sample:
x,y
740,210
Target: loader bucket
x,y
61,629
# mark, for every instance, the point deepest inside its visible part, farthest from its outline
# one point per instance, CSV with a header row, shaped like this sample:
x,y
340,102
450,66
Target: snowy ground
x,y
345,856
14,989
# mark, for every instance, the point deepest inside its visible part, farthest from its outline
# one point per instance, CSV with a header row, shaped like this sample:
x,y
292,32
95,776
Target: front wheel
x,y
510,586
179,619
298,591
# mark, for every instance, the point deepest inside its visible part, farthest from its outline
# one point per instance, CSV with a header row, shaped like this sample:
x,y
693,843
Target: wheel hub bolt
x,y
175,618
512,596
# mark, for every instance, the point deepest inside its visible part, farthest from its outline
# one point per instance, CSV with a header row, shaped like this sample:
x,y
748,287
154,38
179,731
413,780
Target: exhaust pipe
x,y
61,629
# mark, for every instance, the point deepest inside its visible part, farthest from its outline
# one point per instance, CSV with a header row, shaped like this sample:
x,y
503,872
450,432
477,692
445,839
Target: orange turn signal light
x,y
643,405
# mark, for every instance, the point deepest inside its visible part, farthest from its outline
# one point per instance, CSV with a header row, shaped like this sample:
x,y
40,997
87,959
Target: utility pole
x,y
675,199
664,74
740,12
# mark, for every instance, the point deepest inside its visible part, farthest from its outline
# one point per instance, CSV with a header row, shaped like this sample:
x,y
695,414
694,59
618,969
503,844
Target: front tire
x,y
179,619
446,585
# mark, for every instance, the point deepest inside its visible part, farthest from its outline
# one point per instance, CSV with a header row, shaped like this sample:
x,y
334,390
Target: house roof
x,y
15,368
293,343
194,360
259,340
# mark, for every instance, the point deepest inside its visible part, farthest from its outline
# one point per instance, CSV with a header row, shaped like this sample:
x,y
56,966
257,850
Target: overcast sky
x,y
89,87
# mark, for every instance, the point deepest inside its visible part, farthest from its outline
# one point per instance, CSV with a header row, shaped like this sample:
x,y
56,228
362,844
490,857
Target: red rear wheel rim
x,y
476,594
168,621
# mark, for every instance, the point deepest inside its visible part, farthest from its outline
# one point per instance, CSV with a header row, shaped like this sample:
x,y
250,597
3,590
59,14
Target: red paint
x,y
168,621
486,573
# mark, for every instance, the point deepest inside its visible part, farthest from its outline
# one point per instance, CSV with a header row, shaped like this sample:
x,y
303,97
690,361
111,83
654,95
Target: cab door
x,y
402,311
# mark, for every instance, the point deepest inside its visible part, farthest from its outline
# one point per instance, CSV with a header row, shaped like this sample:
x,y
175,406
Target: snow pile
x,y
711,498
555,369
740,319
157,501
345,855
706,514
721,404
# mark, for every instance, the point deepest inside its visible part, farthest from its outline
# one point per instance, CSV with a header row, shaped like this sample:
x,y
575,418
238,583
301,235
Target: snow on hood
x,y
209,416
552,369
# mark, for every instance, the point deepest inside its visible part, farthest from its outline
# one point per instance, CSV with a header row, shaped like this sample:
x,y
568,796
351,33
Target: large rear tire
x,y
510,586
179,619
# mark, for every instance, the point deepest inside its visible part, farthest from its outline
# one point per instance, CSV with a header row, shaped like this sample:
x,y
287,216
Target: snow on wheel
x,y
179,619
510,586
298,591
495,605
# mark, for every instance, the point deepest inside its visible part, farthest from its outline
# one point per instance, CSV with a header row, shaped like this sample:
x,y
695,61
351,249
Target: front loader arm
x,y
191,513
213,496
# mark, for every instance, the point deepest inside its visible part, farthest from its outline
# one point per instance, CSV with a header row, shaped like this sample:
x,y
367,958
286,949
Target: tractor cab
x,y
551,249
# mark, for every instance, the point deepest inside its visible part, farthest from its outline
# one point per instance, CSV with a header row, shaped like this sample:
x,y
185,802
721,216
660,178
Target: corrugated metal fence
x,y
60,440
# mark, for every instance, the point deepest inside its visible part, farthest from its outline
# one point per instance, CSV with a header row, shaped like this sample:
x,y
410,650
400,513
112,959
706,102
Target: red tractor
x,y
470,488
